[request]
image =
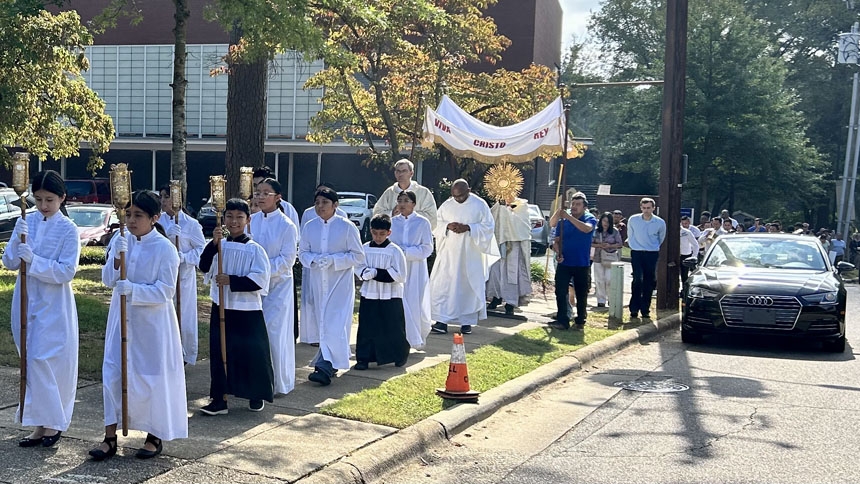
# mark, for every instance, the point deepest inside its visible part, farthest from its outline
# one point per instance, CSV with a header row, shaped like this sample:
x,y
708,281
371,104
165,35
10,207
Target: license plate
x,y
760,317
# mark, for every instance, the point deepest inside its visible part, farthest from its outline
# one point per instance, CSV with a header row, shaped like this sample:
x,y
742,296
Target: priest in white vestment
x,y
465,249
191,243
425,204
510,277
330,247
412,233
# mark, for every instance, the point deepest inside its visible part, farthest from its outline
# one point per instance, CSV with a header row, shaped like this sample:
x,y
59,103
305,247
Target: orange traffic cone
x,y
457,384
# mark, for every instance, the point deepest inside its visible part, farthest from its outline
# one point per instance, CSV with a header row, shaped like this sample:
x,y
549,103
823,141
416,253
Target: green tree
x,y
45,105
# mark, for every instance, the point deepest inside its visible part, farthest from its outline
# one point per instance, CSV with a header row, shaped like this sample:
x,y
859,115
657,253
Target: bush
x,y
93,255
538,272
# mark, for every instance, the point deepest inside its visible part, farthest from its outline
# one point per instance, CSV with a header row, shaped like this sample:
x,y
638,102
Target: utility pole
x,y
849,54
671,150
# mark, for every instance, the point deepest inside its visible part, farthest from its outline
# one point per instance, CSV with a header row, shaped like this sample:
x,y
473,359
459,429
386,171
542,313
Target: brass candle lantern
x,y
21,174
20,182
176,197
217,185
246,182
176,205
120,190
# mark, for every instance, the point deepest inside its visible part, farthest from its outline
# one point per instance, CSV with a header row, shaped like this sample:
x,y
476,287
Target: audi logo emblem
x,y
760,301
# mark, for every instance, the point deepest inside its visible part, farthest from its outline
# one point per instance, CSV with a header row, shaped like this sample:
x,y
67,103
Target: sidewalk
x,y
287,441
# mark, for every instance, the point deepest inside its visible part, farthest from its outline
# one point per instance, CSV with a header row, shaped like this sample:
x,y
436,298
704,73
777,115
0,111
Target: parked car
x,y
359,208
766,284
207,217
96,222
540,230
10,211
95,190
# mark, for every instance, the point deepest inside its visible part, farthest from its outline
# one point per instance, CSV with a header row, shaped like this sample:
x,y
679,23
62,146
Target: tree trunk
x,y
178,165
246,115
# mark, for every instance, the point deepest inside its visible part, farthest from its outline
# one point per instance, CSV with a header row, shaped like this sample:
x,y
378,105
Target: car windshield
x,y
78,188
87,218
351,202
796,253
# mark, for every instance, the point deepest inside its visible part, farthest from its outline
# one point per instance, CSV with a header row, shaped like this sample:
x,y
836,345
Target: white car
x,y
359,208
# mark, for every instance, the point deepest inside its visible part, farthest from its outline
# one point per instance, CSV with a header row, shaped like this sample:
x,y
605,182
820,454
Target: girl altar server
x,y
245,281
273,230
191,243
330,248
51,254
156,379
412,233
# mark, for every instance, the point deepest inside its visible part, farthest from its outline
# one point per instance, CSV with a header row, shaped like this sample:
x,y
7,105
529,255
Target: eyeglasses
x,y
405,170
264,194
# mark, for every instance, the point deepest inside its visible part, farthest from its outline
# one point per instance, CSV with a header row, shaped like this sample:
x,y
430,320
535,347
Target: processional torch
x,y
176,205
120,189
246,186
217,185
20,181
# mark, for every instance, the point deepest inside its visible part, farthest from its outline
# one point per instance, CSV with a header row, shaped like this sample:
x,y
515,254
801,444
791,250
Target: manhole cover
x,y
652,386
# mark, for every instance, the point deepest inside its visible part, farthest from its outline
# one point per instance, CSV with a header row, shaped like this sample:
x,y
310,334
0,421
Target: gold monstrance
x,y
503,182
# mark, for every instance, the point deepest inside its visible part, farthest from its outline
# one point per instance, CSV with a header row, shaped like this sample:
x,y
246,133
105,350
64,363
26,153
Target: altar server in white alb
x,y
412,233
191,243
425,204
309,330
331,247
465,249
51,254
510,278
156,378
278,236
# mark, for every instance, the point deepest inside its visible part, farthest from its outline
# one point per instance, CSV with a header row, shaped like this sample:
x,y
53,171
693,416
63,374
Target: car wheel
x,y
690,337
836,346
365,230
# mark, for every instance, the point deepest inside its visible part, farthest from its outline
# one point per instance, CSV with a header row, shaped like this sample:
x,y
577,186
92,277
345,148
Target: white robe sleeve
x,y
397,271
424,247
386,202
10,255
197,242
260,272
426,206
164,288
482,233
354,254
109,274
306,256
282,262
62,270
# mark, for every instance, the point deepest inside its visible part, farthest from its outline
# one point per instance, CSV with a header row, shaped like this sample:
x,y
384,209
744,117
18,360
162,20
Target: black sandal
x,y
99,455
142,453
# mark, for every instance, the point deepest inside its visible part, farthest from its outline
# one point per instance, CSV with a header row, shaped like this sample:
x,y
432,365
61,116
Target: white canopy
x,y
466,136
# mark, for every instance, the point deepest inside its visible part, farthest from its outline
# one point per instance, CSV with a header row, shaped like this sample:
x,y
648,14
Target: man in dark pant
x,y
644,281
563,275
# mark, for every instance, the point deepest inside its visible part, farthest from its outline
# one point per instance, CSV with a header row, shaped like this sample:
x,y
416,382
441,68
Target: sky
x,y
576,13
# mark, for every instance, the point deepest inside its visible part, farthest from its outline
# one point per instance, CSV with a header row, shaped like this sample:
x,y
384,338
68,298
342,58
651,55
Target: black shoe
x,y
494,303
28,442
99,455
401,362
646,316
361,365
634,315
439,328
50,440
601,305
466,329
320,377
558,325
579,327
256,405
215,407
149,454
509,309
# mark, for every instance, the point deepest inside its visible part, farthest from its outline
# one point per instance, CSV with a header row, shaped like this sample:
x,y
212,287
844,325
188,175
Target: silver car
x,y
540,230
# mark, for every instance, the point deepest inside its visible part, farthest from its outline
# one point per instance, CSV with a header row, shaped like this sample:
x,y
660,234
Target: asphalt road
x,y
757,411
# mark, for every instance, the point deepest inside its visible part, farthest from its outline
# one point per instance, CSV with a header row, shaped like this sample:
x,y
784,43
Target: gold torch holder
x,y
246,186
176,205
217,185
120,188
20,182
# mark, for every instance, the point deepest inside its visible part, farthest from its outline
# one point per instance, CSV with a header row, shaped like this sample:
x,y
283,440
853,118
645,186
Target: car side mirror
x,y
113,226
690,262
844,267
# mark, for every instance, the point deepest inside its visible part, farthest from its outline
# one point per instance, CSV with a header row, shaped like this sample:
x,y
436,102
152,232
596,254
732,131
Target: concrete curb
x,y
379,458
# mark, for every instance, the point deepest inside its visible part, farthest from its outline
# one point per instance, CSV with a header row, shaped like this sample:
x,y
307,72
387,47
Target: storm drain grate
x,y
652,386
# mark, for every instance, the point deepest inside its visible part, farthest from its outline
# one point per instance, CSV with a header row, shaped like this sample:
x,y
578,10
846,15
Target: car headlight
x,y
822,298
699,292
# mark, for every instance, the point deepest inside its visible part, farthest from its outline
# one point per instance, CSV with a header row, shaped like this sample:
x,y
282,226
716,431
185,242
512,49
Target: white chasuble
x,y
156,377
414,236
457,282
52,319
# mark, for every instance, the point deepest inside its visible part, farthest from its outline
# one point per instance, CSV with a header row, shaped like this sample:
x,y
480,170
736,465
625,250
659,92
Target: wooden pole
x,y
221,301
671,150
178,281
123,322
561,203
23,303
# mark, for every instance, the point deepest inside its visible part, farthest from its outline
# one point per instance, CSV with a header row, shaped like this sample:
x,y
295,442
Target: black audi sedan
x,y
765,284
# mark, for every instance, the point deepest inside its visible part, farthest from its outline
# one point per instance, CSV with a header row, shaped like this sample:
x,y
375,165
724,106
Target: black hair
x,y
706,214
50,181
380,221
150,204
276,187
410,194
238,204
684,217
164,188
263,172
326,185
608,216
326,192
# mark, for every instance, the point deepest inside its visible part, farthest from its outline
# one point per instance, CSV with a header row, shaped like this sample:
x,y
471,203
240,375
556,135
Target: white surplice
x,y
156,378
425,204
510,276
52,319
279,237
415,237
332,289
191,243
309,330
457,283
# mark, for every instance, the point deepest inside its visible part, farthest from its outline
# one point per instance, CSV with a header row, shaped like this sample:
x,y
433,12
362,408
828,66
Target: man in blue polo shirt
x,y
645,234
574,231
